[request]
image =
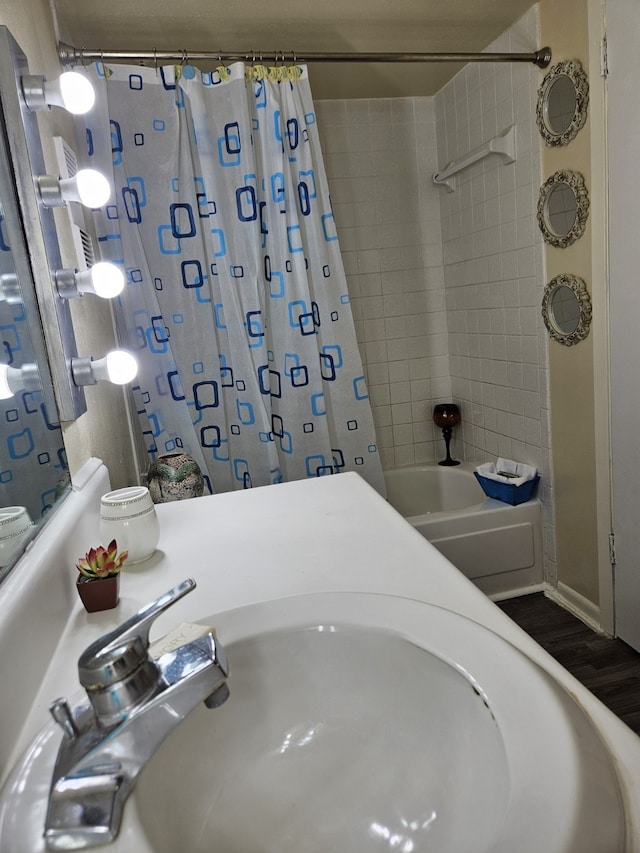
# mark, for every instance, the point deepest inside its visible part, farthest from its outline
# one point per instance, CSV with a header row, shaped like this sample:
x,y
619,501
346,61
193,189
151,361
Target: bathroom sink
x,y
363,722
333,738
359,723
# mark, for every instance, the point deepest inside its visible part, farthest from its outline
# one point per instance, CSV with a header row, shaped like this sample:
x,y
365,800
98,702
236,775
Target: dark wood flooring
x,y
609,668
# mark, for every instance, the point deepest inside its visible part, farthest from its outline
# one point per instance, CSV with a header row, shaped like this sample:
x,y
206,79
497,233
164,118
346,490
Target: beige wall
x,y
103,431
578,442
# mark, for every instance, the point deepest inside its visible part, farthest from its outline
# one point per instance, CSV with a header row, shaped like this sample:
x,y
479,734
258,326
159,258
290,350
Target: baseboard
x,y
577,605
517,592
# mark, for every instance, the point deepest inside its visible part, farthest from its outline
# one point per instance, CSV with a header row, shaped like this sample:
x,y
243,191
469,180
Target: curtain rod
x,y
69,55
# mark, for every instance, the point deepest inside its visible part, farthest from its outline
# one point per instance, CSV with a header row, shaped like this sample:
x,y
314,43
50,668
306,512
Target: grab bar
x,y
504,145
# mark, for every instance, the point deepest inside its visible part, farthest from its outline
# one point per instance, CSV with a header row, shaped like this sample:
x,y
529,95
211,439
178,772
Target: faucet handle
x,y
116,670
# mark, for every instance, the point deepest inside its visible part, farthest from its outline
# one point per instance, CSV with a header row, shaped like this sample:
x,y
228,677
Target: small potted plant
x,y
98,583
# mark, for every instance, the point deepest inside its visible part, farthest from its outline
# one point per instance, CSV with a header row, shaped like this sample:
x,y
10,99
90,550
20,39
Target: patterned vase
x,y
174,477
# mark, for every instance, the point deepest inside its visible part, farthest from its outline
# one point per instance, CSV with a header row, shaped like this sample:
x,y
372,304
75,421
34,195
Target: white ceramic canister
x,y
15,526
129,516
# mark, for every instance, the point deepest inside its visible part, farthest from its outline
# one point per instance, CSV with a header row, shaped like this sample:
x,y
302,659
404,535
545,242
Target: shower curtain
x,y
236,302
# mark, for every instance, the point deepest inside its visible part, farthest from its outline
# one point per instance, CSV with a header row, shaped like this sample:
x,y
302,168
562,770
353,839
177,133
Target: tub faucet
x,y
135,702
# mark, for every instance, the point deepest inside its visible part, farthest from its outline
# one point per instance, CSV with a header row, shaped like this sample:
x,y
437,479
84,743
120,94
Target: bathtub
x,y
497,546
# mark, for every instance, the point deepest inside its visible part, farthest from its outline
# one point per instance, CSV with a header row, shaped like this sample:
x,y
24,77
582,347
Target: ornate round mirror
x,y
563,208
566,309
561,109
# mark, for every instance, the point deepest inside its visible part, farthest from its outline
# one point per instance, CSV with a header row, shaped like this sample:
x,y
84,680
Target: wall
x,y
446,286
380,156
494,265
578,374
103,431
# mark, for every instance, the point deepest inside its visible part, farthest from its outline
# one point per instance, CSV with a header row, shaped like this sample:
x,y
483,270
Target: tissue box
x,y
508,492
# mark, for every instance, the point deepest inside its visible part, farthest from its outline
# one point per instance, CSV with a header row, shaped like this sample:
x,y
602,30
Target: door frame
x,y
622,140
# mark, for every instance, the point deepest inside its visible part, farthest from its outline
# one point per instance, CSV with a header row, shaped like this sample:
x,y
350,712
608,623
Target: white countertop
x,y
328,535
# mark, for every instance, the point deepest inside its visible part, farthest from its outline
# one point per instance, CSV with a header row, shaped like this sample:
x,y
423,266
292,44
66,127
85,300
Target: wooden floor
x,y
607,667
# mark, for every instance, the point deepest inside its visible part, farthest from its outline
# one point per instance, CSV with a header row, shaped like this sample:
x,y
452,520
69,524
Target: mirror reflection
x,y
566,309
33,465
560,104
16,528
563,208
563,97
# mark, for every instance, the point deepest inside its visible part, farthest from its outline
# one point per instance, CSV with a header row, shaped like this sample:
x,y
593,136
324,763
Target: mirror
x,y
33,466
566,309
563,208
561,110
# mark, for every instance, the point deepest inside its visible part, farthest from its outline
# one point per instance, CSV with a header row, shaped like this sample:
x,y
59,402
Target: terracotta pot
x,y
99,593
174,477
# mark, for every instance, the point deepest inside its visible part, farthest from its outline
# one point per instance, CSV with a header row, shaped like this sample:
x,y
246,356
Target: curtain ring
x,y
185,58
155,59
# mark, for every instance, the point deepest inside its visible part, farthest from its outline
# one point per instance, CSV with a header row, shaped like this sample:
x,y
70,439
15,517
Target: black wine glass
x,y
446,416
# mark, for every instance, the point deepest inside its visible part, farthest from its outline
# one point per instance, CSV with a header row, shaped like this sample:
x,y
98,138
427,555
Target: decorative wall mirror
x,y
563,97
563,208
566,309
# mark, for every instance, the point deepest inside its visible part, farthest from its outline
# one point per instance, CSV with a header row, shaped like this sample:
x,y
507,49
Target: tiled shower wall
x,y
494,260
446,287
494,267
380,156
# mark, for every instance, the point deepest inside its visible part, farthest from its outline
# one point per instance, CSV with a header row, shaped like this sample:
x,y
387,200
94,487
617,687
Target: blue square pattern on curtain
x,y
33,462
236,302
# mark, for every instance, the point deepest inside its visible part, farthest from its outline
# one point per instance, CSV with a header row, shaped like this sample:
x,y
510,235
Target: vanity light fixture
x,y
72,91
87,186
14,379
118,366
10,291
103,278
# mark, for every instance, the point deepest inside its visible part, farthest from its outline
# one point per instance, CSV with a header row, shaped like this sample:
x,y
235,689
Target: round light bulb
x,y
77,93
122,367
14,379
93,188
5,390
10,291
118,367
107,280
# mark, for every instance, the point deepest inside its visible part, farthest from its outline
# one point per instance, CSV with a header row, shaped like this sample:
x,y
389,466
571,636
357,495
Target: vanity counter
x,y
335,534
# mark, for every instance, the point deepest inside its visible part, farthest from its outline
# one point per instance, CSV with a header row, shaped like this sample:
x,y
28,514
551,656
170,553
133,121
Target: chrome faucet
x,y
135,702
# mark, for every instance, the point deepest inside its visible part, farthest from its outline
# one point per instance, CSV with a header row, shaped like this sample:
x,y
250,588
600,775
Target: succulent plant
x,y
102,562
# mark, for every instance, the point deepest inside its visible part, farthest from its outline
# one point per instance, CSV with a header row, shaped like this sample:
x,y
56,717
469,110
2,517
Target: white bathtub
x,y
497,546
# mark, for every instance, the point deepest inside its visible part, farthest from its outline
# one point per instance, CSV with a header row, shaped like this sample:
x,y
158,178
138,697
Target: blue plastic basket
x,y
507,492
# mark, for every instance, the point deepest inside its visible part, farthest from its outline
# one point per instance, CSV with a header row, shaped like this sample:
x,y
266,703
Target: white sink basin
x,y
333,738
360,723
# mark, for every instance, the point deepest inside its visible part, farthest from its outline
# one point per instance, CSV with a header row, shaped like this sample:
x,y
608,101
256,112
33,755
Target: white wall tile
x,y
445,286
